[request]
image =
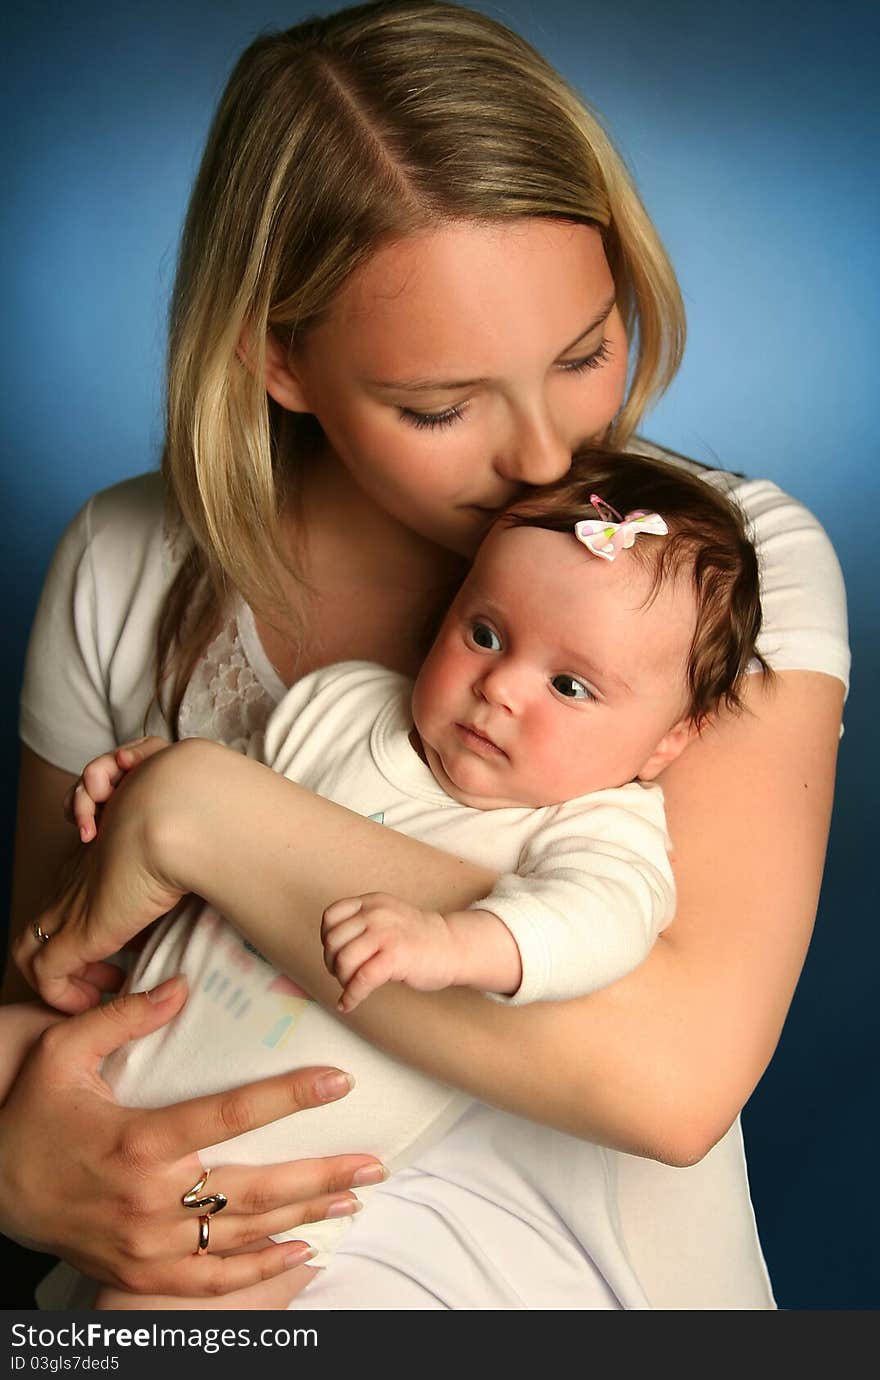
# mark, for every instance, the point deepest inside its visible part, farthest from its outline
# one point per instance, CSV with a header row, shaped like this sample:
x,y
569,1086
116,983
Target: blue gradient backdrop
x,y
752,129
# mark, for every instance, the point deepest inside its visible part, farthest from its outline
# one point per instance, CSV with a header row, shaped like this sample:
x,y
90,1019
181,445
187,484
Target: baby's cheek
x,y
437,685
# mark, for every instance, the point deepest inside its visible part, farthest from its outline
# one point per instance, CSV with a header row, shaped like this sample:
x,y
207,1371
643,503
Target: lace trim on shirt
x,y
225,699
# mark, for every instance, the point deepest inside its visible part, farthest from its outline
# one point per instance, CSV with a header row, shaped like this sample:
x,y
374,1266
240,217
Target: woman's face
x,y
463,362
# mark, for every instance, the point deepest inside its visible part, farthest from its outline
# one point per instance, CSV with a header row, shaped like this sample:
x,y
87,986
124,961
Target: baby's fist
x,y
373,939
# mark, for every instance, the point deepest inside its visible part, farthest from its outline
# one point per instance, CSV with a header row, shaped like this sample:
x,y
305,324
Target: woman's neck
x,y
345,534
374,586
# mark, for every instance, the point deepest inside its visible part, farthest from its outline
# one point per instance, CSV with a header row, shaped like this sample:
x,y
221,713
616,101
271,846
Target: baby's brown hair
x,y
707,541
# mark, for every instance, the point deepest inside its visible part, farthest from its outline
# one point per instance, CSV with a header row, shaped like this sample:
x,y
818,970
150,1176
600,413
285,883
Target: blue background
x,y
752,130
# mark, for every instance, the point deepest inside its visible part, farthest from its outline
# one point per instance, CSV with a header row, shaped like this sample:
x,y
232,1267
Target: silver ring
x,y
39,933
209,1204
204,1234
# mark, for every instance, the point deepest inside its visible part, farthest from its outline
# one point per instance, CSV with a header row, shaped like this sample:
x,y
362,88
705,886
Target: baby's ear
x,y
282,381
668,748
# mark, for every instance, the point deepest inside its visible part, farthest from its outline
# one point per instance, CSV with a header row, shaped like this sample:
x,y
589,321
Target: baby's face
x,y
551,677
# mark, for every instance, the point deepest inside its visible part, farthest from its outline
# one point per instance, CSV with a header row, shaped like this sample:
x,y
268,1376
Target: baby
x,y
604,620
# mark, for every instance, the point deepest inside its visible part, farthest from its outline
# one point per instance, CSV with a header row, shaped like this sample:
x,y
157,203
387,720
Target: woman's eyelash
x,y
435,421
431,421
594,361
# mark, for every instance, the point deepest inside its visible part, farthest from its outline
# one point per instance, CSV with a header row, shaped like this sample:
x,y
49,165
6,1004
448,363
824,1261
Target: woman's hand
x,y
109,891
114,1208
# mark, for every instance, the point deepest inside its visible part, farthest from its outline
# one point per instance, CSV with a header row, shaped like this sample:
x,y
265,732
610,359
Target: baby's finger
x,y
338,938
129,755
372,974
340,910
354,956
101,777
84,811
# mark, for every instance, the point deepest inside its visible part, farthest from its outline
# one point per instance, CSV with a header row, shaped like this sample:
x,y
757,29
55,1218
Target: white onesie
x,y
586,888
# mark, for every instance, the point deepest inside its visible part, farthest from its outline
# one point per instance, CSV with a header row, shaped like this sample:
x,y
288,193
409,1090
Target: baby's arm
x,y
593,890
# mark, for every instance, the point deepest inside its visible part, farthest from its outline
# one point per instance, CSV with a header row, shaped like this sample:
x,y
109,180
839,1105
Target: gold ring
x,y
204,1234
210,1203
39,933
191,1198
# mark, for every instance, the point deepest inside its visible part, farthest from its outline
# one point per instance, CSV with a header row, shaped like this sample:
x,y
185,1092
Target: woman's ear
x,y
668,748
282,381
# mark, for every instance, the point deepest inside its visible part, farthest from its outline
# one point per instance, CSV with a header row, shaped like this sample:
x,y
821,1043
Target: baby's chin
x,y
474,799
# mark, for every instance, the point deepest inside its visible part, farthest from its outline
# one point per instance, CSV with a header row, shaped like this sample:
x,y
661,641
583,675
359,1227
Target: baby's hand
x,y
373,939
99,780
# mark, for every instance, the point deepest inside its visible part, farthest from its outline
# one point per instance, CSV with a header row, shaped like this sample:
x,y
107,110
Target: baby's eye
x,y
572,688
485,637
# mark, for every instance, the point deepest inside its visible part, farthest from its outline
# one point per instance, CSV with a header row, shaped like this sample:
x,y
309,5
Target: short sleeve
x,y
803,598
90,668
63,703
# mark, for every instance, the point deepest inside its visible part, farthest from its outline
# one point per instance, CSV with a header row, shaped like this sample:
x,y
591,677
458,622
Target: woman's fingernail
x,y
299,1256
332,1085
165,989
370,1174
344,1207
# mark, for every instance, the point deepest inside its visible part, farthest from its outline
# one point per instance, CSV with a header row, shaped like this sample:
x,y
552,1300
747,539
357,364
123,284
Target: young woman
x,y
412,237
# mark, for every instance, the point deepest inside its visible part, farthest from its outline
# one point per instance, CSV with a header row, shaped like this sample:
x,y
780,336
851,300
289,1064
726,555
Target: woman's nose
x,y
534,453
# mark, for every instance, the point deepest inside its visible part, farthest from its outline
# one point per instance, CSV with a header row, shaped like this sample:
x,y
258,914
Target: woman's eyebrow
x,y
423,385
599,320
441,385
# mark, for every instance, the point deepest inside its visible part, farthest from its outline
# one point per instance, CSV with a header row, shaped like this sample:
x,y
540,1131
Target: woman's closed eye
x,y
570,688
600,356
432,421
436,421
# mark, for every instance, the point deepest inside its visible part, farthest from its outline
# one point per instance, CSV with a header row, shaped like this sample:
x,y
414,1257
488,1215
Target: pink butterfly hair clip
x,y
605,538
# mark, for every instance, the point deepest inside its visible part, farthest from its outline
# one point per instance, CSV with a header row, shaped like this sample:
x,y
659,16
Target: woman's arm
x,y
658,1064
43,843
114,1208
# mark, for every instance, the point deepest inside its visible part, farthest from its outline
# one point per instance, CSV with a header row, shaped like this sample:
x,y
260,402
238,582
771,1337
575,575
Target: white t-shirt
x,y
501,1214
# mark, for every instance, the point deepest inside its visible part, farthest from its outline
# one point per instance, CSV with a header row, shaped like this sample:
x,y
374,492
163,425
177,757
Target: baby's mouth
x,y
478,742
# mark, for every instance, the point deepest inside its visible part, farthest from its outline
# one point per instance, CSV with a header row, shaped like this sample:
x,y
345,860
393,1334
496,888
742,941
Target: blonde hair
x,y
332,138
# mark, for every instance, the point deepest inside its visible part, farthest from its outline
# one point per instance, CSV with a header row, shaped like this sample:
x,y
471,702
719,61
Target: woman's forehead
x,y
449,295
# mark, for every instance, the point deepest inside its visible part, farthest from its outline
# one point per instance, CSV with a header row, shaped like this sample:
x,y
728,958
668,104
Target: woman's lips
x,y
478,742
